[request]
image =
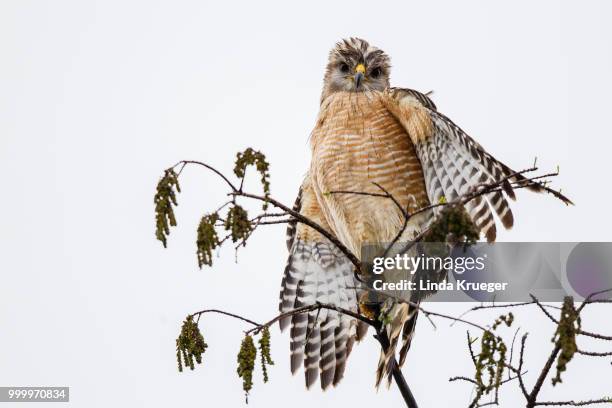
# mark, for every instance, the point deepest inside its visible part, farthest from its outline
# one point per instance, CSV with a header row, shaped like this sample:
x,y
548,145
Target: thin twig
x,y
209,167
575,403
594,353
310,308
512,347
235,316
307,221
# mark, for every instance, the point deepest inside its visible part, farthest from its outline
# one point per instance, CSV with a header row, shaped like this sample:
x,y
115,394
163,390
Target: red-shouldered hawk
x,y
367,133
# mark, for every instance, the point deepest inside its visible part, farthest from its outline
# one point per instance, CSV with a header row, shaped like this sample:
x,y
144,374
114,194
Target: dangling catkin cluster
x,y
246,364
247,356
491,360
264,352
165,199
207,239
453,222
252,157
238,223
565,336
190,345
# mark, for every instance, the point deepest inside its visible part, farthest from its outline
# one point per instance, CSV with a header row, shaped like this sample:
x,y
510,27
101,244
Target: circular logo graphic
x,y
589,269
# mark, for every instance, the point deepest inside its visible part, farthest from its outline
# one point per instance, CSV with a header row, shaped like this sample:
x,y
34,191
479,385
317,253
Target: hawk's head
x,y
356,66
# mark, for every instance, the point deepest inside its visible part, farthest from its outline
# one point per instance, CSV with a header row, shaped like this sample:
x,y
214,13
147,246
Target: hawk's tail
x,y
402,321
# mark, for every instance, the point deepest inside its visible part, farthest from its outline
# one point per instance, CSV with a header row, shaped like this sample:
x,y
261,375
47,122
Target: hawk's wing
x,y
452,161
318,272
423,99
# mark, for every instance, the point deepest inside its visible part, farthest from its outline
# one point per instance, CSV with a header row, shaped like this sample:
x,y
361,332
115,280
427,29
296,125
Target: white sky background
x,y
98,97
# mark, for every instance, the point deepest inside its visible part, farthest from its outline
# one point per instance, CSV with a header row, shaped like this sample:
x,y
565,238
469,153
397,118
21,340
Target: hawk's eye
x,y
376,72
344,68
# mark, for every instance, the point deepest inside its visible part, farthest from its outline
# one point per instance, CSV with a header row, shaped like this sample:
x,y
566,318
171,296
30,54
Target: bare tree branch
x,y
289,215
575,403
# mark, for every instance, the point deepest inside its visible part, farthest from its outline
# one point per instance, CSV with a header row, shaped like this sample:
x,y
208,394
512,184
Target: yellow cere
x,y
360,68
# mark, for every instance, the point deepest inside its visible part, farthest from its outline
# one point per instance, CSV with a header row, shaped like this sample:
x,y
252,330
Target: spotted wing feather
x,y
453,163
317,271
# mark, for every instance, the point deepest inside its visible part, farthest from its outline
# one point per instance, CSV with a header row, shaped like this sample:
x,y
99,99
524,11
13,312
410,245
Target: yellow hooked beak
x,y
359,75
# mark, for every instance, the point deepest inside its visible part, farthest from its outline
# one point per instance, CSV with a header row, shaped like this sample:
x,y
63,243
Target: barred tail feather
x,y
407,336
399,315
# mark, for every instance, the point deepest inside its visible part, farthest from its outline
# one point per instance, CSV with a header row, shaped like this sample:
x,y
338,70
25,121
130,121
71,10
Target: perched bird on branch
x,y
369,138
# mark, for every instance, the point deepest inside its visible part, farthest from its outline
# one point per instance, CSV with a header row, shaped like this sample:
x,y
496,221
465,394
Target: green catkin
x,y
207,239
264,352
491,361
165,199
454,221
565,336
190,345
238,223
252,157
246,364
